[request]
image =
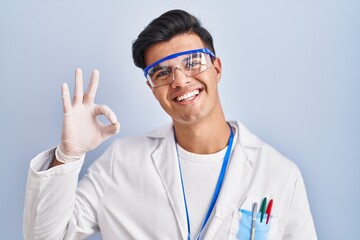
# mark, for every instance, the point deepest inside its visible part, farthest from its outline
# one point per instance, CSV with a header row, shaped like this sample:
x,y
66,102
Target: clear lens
x,y
190,64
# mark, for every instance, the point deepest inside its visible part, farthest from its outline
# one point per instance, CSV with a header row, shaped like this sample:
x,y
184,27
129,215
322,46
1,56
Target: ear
x,y
218,69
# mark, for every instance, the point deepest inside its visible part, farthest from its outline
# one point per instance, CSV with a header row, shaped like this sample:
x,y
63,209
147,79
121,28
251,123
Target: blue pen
x,y
253,223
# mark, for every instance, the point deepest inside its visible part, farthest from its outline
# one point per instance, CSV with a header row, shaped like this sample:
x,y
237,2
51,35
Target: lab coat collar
x,y
247,139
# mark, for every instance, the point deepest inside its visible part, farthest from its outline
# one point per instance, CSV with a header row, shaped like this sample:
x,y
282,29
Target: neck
x,y
202,137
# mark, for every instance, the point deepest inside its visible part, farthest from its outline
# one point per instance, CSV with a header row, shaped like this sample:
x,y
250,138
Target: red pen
x,y
268,211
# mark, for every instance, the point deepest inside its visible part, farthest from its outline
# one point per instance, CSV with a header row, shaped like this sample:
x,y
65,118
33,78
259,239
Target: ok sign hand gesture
x,y
82,130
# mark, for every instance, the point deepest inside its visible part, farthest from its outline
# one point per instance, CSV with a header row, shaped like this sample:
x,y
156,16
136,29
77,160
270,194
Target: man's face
x,y
187,99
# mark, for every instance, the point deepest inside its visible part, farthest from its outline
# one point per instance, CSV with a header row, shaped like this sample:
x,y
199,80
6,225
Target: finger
x,y
79,82
92,88
67,108
107,112
107,131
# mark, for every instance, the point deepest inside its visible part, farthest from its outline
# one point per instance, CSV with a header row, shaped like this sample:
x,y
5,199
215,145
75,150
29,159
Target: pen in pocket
x,y
253,223
268,211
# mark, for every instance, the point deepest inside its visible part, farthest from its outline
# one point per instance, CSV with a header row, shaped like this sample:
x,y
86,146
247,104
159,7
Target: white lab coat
x,y
133,191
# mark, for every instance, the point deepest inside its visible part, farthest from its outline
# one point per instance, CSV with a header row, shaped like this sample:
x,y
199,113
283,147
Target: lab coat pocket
x,y
261,228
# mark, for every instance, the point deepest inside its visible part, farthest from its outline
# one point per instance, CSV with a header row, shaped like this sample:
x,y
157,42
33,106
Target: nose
x,y
179,77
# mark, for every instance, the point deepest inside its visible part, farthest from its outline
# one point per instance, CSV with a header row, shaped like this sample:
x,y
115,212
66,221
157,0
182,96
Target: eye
x,y
162,74
193,64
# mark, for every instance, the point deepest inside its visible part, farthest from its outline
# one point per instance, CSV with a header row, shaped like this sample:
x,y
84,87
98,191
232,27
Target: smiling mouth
x,y
188,96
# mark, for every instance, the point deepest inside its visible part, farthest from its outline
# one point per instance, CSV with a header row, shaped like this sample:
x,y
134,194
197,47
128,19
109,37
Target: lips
x,y
187,96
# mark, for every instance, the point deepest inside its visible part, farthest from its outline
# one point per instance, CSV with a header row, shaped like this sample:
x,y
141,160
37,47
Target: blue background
x,y
290,74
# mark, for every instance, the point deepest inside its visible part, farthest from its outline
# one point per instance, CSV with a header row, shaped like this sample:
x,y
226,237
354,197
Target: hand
x,y
82,131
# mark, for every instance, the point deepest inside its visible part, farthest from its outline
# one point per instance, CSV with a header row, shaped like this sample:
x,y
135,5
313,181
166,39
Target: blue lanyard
x,y
217,188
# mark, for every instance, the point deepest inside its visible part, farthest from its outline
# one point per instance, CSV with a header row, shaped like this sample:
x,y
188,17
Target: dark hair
x,y
165,27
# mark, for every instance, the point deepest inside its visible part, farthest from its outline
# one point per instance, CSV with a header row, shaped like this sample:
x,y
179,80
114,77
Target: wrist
x,y
65,158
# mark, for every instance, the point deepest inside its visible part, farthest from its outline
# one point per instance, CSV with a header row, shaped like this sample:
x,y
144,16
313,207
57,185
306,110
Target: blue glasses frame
x,y
204,50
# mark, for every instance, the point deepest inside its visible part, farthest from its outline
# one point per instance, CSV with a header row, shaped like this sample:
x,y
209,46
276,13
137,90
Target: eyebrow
x,y
193,55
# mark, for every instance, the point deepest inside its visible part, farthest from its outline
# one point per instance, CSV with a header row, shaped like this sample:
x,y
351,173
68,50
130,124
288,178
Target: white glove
x,y
82,131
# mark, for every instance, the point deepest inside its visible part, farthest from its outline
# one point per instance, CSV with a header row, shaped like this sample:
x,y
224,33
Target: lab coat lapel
x,y
166,163
236,182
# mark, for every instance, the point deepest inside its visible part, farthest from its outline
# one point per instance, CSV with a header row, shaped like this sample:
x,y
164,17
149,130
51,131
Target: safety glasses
x,y
190,62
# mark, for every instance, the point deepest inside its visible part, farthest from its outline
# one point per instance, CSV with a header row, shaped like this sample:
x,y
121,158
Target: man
x,y
199,178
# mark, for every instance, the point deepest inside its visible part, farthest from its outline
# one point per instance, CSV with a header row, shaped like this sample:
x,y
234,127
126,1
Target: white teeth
x,y
188,95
